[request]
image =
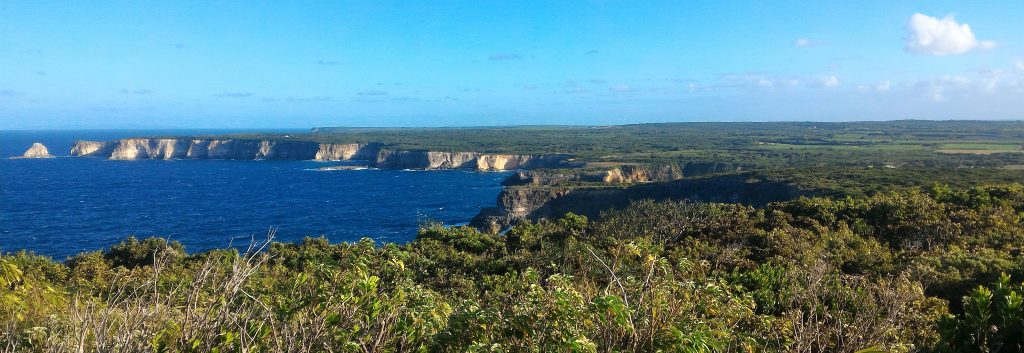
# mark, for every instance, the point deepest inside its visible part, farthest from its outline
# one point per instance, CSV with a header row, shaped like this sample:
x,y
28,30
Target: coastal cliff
x,y
347,152
622,174
91,148
374,154
466,160
529,202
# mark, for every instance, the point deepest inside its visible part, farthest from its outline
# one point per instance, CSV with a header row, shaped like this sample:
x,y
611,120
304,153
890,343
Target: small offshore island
x,y
37,150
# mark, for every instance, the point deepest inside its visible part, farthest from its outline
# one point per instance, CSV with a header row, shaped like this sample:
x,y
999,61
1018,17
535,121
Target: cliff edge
x,y
374,154
532,202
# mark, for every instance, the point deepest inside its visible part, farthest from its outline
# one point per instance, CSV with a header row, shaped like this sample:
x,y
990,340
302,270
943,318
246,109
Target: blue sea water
x,y
62,206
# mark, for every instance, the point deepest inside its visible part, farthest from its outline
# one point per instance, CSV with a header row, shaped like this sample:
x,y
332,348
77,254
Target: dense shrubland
x,y
933,270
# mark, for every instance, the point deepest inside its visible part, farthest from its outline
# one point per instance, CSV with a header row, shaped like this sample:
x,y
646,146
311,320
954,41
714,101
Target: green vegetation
x,y
932,270
914,244
979,148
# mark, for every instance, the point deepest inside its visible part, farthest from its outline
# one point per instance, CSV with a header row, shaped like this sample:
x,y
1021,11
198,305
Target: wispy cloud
x,y
505,57
10,93
233,95
938,89
620,88
592,52
136,91
806,42
180,45
830,81
758,81
405,99
328,62
299,99
933,36
372,93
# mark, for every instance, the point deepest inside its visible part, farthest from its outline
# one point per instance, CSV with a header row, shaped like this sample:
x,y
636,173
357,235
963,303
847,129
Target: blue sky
x,y
411,63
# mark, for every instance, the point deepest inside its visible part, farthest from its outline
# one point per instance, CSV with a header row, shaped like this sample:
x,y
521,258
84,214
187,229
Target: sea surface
x,y
62,206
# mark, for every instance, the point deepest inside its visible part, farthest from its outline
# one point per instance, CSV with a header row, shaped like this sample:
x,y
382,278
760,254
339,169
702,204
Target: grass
x,y
978,148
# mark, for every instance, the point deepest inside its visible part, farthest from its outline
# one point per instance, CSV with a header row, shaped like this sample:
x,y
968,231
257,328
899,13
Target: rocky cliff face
x,y
631,174
347,152
466,160
37,151
528,202
391,159
623,174
185,148
90,148
373,153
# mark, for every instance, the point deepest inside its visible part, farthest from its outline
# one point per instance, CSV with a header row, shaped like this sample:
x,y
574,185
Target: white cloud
x,y
829,81
938,89
805,42
1020,65
761,82
990,80
933,36
883,86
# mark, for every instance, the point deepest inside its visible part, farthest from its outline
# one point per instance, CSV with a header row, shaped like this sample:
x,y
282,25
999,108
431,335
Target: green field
x,y
979,148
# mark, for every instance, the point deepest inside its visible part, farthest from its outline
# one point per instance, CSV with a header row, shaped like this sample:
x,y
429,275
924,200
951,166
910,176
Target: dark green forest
x,y
934,269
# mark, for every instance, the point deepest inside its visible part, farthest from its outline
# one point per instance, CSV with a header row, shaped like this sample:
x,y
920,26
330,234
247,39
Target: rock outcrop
x,y
631,174
528,202
251,149
37,151
347,152
390,159
91,148
621,174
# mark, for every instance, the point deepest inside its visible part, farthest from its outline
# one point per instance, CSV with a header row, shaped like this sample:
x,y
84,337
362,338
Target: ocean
x,y
62,206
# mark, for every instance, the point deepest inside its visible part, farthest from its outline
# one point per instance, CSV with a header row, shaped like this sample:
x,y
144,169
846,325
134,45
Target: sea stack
x,y
37,151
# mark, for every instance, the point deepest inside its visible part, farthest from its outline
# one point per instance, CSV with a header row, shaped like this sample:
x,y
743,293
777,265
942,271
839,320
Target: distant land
x,y
587,169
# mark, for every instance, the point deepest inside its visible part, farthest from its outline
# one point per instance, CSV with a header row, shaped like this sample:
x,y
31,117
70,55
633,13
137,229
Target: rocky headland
x,y
535,202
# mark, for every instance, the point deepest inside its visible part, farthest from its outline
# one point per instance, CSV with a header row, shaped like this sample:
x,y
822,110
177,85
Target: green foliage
x,y
992,320
849,274
132,253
